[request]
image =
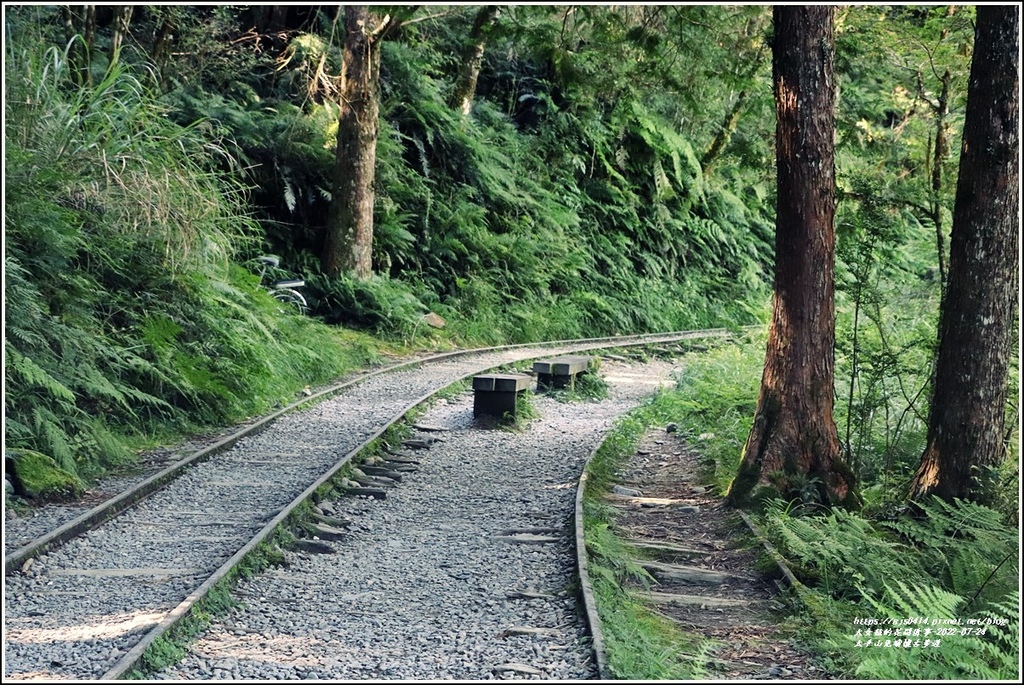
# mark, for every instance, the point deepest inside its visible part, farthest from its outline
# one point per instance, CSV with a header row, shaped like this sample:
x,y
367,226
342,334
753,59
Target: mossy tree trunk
x,y
348,246
966,422
793,447
472,60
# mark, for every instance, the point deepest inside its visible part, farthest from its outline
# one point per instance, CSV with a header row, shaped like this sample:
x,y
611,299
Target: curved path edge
x,y
134,656
590,614
125,500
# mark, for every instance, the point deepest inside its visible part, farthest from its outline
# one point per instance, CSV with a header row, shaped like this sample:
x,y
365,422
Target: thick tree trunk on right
x,y
965,429
793,447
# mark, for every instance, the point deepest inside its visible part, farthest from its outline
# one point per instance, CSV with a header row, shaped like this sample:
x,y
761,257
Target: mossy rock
x,y
36,476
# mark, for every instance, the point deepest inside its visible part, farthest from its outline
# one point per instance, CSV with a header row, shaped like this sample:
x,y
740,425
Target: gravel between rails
x,y
74,612
425,585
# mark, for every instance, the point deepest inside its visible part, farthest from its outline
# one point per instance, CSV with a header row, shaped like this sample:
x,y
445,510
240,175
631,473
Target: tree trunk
x,y
89,36
941,109
161,52
122,22
472,60
793,447
965,427
349,243
80,53
725,131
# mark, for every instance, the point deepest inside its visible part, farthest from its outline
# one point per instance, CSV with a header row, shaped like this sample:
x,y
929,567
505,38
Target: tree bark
x,y
793,447
966,421
161,52
941,151
81,52
349,242
122,22
472,60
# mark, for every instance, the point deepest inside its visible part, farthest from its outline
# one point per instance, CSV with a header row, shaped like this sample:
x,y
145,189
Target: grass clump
x,y
587,386
128,319
38,477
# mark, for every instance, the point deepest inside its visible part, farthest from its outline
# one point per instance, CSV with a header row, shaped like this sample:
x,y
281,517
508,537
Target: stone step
x,y
667,549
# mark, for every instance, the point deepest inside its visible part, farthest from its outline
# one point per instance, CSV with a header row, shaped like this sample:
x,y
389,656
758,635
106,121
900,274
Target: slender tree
x,y
472,59
965,428
793,447
122,23
349,242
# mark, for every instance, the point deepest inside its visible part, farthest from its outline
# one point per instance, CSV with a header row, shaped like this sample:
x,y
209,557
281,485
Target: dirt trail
x,y
697,550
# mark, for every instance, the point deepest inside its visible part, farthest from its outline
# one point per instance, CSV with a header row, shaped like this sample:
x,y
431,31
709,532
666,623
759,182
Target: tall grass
x,y
126,317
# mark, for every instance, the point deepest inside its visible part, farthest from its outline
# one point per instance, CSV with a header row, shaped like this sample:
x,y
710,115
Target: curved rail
x,y
124,501
590,615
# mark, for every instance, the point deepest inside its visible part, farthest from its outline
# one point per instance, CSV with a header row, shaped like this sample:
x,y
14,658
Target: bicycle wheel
x,y
292,297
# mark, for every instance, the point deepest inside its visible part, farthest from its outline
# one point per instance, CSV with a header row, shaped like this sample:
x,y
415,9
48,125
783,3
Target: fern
x,y
961,648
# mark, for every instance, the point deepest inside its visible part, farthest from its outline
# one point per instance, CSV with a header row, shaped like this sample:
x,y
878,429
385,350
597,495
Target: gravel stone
x,y
104,590
418,591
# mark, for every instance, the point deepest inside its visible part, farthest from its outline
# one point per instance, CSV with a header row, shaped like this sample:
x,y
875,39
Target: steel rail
x,y
118,504
131,659
124,501
590,614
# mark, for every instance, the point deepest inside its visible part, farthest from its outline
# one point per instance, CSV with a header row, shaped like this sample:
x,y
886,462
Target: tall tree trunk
x,y
80,52
161,52
122,21
472,60
349,242
89,36
965,427
793,447
941,151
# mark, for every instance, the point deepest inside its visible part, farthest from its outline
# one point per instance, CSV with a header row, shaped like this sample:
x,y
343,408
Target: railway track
x,y
100,590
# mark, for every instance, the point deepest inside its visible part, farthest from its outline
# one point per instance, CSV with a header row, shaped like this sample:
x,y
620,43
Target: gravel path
x,y
74,612
430,582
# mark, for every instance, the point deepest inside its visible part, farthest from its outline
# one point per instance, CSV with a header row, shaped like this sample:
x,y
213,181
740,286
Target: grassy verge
x,y
640,644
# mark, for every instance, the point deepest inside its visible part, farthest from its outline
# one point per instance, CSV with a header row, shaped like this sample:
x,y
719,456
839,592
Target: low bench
x,y
494,394
559,372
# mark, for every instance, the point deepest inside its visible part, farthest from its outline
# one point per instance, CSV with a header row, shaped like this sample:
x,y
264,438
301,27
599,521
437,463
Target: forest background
x,y
612,173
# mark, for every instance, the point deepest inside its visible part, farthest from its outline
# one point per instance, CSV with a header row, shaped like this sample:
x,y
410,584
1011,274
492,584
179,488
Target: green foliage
x,y
124,314
984,647
715,398
955,564
39,478
589,386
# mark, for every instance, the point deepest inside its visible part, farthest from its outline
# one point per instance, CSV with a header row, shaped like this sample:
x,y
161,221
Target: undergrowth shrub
x,y
950,574
716,395
125,316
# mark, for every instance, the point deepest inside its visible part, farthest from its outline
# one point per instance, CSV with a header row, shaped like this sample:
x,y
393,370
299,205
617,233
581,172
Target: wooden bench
x,y
560,372
494,394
